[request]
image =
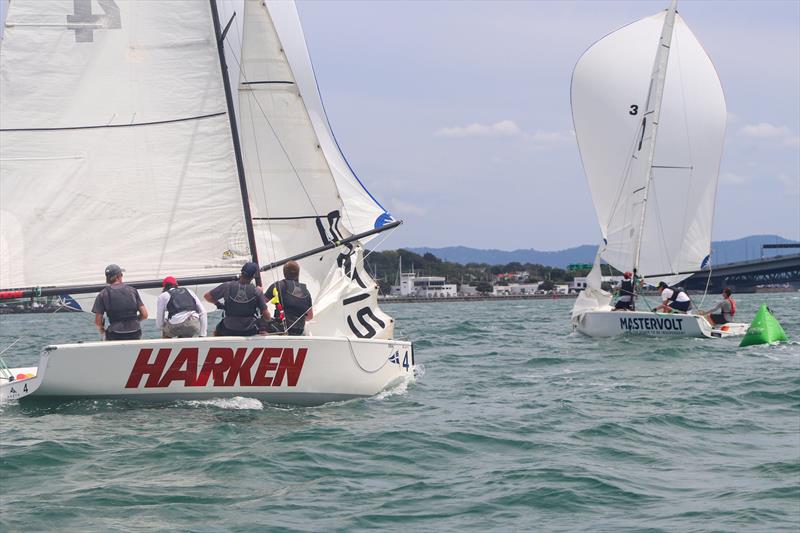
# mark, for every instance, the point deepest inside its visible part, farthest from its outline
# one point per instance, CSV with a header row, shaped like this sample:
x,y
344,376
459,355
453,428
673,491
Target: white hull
x,y
606,323
276,369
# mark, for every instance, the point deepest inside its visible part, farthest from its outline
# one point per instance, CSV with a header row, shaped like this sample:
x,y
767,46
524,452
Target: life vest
x,y
180,300
241,300
626,288
733,305
676,291
296,299
120,304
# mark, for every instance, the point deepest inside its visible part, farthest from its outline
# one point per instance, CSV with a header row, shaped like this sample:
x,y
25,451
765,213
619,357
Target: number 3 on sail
x,y
183,138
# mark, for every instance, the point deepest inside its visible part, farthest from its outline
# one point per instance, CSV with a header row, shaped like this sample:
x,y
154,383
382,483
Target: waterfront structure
x,y
424,286
515,289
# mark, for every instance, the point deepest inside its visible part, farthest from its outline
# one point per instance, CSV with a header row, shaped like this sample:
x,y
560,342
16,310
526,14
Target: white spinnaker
x,y
610,78
115,144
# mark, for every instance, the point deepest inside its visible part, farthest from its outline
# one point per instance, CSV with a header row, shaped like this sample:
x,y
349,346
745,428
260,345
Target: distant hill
x,y
743,249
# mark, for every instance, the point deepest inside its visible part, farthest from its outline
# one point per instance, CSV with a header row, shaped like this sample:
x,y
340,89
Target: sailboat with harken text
x,y
184,138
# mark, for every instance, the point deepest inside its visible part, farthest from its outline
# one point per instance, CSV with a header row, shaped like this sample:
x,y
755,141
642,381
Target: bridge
x,y
749,274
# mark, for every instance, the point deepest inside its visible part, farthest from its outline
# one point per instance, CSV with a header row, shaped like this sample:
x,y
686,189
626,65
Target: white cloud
x,y
764,130
733,179
399,207
543,137
504,128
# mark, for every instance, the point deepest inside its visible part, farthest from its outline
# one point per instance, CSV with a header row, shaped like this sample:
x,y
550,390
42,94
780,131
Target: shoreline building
x,y
424,286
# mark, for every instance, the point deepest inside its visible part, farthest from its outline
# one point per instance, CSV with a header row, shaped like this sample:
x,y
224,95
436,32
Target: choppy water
x,y
513,425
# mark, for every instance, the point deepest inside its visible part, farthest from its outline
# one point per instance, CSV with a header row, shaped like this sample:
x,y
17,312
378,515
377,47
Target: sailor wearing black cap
x,y
674,299
242,302
123,306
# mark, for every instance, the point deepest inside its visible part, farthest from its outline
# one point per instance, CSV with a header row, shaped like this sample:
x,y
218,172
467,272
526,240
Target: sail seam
x,y
98,126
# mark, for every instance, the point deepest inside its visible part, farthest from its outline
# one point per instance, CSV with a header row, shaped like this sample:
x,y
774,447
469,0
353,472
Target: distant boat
x,y
649,116
122,141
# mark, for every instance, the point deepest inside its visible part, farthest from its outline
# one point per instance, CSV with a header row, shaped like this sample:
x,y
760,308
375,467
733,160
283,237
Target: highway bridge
x,y
747,275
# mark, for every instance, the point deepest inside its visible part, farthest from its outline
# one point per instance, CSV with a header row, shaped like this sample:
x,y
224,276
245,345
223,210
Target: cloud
x,y
764,130
399,207
544,137
733,179
504,128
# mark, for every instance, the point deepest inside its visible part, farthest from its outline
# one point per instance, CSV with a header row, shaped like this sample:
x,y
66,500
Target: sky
x,y
456,115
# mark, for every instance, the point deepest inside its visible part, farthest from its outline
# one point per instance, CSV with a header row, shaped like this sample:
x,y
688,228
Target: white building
x,y
424,286
579,283
515,289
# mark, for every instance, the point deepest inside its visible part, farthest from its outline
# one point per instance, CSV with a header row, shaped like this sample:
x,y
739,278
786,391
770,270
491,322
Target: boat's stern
x,y
18,383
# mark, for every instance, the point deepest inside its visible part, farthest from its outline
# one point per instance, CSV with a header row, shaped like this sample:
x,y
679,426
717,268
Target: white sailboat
x,y
649,115
121,141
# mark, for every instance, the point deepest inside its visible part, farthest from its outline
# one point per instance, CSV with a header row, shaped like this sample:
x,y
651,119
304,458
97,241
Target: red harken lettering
x,y
222,366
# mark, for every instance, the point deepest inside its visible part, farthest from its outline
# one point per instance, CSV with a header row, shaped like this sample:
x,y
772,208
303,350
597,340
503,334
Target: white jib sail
x,y
609,91
115,145
302,193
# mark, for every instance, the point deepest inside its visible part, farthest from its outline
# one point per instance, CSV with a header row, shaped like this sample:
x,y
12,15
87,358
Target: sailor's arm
x,y
98,322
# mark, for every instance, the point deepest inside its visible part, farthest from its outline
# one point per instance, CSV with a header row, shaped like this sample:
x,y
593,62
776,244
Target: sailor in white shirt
x,y
179,312
674,299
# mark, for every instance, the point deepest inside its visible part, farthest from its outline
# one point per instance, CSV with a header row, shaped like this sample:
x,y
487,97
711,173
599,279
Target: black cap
x,y
662,285
113,270
250,269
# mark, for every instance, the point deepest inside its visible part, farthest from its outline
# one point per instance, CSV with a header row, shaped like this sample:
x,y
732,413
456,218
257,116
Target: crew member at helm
x,y
726,309
673,299
243,303
625,301
122,305
185,314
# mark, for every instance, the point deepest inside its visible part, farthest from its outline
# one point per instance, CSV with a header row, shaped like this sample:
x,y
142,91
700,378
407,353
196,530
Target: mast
x,y
237,149
647,143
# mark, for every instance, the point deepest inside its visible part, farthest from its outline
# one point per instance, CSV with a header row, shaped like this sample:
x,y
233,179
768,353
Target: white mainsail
x,y
115,145
610,87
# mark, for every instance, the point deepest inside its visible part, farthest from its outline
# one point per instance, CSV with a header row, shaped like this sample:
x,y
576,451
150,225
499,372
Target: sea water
x,y
513,424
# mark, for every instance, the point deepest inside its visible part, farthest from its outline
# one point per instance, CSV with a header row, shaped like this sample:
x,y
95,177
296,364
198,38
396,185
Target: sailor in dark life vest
x,y
726,308
123,307
674,299
292,302
625,301
179,312
243,303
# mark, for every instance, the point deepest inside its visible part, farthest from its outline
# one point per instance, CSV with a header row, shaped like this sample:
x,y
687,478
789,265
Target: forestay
x,y
609,91
115,144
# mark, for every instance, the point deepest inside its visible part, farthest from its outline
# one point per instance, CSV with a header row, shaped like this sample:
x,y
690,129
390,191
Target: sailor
x,y
673,299
243,302
625,301
123,306
185,314
292,300
726,308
